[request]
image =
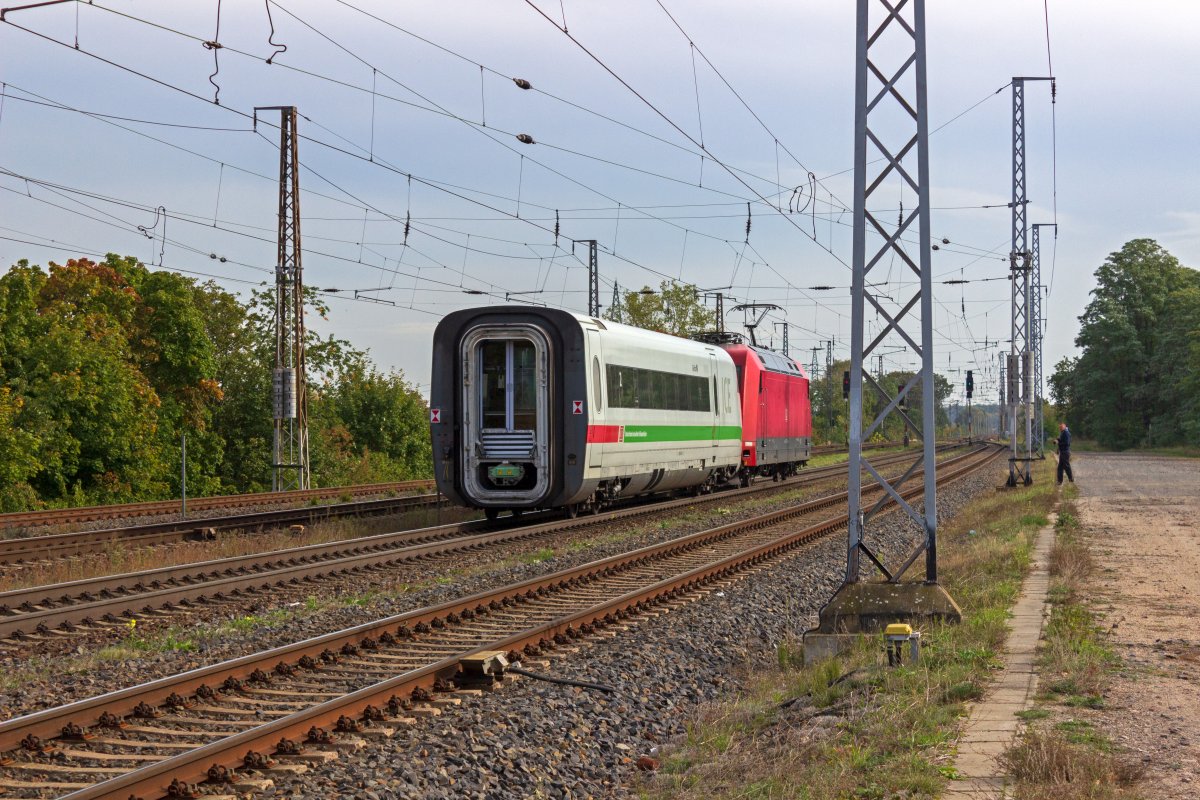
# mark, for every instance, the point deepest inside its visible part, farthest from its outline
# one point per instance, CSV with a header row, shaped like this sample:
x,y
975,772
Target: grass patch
x,y
1070,763
852,727
1074,652
1071,759
537,556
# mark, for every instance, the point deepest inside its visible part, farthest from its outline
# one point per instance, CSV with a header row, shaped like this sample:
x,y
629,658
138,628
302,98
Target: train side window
x,y
634,387
596,401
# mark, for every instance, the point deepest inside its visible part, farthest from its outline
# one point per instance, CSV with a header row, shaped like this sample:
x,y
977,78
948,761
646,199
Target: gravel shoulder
x,y
1139,516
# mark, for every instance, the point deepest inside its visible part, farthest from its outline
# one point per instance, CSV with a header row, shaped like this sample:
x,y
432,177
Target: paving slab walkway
x,y
993,723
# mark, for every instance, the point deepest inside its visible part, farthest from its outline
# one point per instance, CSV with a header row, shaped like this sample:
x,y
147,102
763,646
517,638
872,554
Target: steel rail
x,y
61,545
58,516
234,750
64,606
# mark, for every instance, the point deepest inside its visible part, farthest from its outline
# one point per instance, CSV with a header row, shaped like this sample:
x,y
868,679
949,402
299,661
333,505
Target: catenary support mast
x,y
1039,333
891,139
1021,350
900,95
290,467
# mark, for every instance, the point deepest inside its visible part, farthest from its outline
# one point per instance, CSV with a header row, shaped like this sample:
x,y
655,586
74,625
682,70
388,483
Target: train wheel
x,y
594,509
572,511
517,512
492,514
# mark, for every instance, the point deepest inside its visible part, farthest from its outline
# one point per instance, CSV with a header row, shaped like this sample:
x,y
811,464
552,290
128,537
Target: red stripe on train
x,y
604,434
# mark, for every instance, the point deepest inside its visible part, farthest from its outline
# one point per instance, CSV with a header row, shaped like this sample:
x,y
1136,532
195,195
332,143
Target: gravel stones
x,y
535,739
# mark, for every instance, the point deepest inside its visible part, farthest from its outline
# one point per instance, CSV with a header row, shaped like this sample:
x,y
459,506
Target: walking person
x,y
1064,453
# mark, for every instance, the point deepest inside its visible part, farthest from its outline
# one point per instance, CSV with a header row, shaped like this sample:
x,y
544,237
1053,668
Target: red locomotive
x,y
776,413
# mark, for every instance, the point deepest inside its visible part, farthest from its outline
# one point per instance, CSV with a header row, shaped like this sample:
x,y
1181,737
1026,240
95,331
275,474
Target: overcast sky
x,y
404,94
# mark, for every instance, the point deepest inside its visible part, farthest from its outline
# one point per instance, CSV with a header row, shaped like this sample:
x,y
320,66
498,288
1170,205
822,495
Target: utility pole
x,y
593,276
812,369
1038,328
1020,359
615,308
183,475
290,459
884,114
719,297
829,382
1003,406
785,327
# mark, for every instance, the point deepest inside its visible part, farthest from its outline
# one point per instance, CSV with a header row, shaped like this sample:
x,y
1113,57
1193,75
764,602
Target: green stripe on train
x,y
680,433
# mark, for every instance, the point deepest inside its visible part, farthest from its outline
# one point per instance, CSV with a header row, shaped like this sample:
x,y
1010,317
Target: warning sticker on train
x,y
435,415
576,406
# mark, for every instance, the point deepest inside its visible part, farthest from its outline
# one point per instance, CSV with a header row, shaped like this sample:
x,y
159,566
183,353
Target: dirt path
x,y
1141,515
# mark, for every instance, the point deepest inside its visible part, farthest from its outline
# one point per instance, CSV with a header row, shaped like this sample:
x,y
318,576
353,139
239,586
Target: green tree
x,y
104,365
675,309
96,412
18,456
1121,387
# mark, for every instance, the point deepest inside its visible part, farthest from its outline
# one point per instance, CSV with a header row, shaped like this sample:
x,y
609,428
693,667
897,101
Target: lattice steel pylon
x,y
1020,359
886,103
861,606
1039,332
290,466
593,276
1002,407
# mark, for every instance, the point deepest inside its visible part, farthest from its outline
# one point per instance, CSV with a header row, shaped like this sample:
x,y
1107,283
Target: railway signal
x,y
846,385
970,384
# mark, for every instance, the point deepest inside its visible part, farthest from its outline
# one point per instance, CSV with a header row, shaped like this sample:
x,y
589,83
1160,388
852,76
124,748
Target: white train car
x,y
540,408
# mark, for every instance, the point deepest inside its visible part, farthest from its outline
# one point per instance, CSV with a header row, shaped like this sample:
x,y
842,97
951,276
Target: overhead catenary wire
x,y
324,143
621,207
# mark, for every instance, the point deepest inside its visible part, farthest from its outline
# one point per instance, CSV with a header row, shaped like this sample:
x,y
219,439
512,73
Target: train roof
x,y
663,341
769,359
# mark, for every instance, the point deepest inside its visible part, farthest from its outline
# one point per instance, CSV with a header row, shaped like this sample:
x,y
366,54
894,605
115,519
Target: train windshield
x,y
509,384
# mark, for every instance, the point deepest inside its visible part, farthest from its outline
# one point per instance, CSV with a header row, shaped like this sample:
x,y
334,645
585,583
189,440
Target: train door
x,y
595,409
763,419
505,433
508,375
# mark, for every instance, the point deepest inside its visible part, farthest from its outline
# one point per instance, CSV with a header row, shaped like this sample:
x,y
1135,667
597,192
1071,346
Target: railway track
x,y
24,520
231,724
63,609
40,548
80,543
66,516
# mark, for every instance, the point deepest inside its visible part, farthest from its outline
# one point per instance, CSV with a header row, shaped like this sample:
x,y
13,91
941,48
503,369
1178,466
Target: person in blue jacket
x,y
1064,453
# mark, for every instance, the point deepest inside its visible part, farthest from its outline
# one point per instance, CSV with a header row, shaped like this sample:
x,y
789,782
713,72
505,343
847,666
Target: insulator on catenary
x,y
521,82
525,138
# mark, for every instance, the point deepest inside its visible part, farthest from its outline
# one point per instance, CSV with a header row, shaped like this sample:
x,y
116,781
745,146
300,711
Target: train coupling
x,y
482,670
